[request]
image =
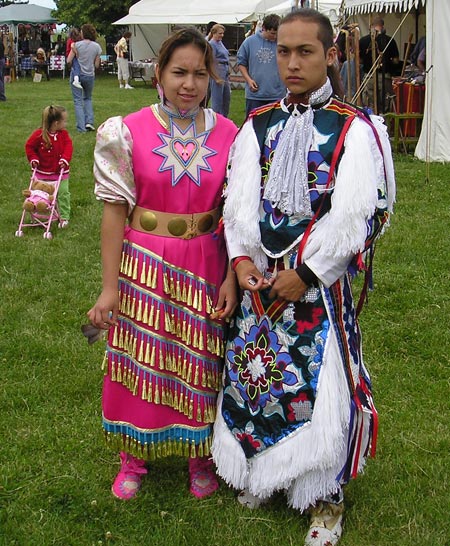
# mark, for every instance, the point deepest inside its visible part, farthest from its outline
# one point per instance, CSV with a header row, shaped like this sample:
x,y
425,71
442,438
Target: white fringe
x,y
343,230
242,194
382,131
227,453
312,456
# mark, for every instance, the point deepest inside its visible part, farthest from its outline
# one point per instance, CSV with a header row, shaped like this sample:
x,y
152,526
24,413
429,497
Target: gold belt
x,y
167,224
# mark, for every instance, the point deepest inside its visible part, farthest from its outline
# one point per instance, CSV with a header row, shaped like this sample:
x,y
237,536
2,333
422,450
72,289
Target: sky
x,y
45,3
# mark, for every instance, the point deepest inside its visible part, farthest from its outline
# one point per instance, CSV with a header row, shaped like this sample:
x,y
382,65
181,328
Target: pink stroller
x,y
40,207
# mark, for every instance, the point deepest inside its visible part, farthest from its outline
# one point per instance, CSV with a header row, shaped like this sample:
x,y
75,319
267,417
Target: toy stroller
x,y
40,205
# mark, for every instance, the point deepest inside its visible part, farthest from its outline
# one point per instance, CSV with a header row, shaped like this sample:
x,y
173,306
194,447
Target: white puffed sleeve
x,y
113,166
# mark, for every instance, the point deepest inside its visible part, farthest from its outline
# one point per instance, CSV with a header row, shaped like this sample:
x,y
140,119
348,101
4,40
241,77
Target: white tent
x,y
150,21
330,8
434,141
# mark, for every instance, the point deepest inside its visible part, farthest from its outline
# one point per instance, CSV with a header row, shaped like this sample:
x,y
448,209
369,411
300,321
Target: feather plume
x,y
92,333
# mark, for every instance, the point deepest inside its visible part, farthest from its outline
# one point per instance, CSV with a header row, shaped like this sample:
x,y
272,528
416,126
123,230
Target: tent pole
x,y
347,55
408,47
374,65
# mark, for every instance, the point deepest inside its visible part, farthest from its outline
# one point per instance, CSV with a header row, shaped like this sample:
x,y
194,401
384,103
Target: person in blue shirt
x,y
257,62
220,90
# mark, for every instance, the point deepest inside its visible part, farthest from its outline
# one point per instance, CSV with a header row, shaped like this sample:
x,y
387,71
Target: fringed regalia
x,y
296,410
164,358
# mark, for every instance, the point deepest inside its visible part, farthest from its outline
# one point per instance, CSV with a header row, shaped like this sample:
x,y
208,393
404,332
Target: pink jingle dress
x,y
164,358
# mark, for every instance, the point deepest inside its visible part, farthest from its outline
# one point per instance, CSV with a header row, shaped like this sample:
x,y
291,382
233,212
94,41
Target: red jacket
x,y
61,148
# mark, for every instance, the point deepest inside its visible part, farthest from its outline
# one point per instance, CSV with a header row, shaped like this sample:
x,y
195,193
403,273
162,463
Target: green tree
x,y
100,13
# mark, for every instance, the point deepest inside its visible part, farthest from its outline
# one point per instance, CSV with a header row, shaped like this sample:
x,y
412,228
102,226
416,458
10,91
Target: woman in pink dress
x,y
167,285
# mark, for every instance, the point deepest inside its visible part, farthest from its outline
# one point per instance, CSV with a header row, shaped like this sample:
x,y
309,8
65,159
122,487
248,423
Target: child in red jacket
x,y
49,149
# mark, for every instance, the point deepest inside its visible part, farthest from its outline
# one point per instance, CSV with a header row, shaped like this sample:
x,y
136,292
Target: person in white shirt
x,y
123,72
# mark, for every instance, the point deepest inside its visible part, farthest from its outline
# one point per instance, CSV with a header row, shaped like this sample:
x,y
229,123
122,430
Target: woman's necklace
x,y
183,150
174,113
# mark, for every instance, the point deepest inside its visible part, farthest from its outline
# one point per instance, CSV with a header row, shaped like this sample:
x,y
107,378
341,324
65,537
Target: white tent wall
x,y
434,140
146,40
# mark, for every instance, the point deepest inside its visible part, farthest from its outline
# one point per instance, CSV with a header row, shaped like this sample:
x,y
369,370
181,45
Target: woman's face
x,y
185,78
218,36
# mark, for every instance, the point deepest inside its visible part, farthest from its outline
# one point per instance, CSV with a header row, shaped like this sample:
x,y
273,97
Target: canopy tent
x,y
23,14
434,140
194,12
330,8
150,21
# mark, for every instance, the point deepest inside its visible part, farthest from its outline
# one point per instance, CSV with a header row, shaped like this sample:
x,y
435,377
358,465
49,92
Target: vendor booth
x,y
24,28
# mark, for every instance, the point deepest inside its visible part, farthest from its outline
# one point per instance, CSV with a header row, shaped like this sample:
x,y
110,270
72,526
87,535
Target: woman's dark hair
x,y
324,34
209,26
181,38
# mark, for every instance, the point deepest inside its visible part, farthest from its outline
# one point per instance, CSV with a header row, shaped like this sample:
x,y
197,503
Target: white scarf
x,y
287,185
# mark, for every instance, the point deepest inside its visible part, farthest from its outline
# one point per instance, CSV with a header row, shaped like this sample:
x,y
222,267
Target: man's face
x,y
270,35
302,62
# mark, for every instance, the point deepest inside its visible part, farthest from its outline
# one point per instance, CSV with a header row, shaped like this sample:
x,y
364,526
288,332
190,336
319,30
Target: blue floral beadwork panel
x,y
271,370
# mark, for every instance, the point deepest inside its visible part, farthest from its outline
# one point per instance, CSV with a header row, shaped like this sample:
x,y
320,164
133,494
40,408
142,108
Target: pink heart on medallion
x,y
184,149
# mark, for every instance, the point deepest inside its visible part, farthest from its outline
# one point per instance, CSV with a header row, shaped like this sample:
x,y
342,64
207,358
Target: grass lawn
x,y
56,472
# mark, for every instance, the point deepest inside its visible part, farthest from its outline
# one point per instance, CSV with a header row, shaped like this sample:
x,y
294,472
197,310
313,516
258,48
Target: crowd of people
x,y
373,62
228,257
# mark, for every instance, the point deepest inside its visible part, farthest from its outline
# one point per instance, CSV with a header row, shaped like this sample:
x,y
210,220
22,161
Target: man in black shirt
x,y
388,63
2,69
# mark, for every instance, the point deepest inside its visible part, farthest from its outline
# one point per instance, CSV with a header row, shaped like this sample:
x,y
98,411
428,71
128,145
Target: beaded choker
x,y
174,112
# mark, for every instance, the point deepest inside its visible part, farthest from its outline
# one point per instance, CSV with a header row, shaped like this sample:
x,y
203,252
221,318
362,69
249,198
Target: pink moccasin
x,y
128,480
202,477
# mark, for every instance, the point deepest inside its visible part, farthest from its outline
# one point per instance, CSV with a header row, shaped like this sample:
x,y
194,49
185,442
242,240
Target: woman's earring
x,y
160,91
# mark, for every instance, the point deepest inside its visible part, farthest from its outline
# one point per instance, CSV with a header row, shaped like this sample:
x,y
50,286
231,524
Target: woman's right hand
x,y
104,313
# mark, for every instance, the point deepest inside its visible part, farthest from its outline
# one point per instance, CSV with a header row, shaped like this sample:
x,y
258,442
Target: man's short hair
x,y
271,22
378,21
